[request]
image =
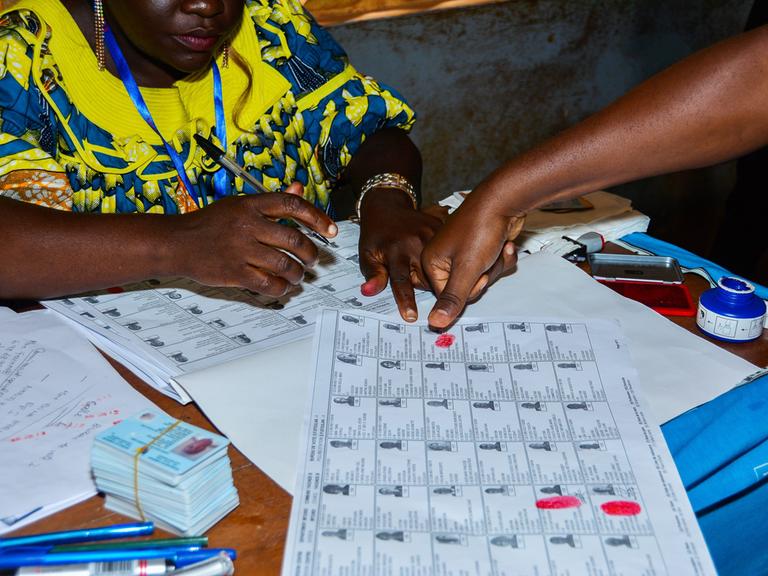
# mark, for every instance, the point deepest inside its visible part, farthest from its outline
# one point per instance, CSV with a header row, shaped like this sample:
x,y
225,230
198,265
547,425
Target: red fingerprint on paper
x,y
558,503
115,290
621,508
445,340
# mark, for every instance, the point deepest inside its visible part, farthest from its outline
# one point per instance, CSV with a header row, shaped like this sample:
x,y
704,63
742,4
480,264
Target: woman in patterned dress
x,y
90,197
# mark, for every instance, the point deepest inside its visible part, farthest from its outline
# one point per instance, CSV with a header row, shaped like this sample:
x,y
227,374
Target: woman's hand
x,y
466,255
392,237
238,242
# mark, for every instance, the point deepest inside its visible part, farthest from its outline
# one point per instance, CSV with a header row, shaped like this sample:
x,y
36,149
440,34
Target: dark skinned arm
x,y
388,150
708,108
392,233
234,242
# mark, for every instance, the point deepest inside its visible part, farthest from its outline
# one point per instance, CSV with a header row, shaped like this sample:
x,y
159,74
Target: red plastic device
x,y
666,299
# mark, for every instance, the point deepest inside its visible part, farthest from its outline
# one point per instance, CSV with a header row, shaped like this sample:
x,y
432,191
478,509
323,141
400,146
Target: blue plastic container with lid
x,y
731,312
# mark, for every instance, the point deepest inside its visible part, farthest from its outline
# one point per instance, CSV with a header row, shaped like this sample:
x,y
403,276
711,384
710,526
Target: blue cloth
x,y
721,452
686,259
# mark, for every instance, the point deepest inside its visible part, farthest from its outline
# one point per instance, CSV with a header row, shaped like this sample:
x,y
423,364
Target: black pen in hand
x,y
218,156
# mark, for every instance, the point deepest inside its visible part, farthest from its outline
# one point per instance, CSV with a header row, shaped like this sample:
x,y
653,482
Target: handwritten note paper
x,y
56,393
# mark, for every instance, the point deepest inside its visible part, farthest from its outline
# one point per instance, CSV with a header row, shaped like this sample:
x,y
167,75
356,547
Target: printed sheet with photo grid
x,y
499,447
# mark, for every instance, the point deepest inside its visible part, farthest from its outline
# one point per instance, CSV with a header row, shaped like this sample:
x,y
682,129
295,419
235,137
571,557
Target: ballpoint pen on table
x,y
55,551
218,156
56,565
200,541
150,567
84,535
217,566
11,559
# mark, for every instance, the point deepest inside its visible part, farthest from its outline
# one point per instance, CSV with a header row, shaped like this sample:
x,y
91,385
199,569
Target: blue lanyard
x,y
220,178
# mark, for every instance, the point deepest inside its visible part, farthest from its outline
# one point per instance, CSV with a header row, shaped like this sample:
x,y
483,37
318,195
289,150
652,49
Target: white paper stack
x,y
56,394
182,479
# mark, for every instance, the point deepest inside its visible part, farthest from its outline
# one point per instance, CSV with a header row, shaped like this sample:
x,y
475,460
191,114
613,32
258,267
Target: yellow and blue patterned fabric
x,y
70,137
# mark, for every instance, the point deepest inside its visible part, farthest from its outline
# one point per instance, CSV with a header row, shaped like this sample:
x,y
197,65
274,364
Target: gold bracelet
x,y
386,180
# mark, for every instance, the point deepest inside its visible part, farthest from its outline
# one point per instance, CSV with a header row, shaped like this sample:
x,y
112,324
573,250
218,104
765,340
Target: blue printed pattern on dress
x,y
288,143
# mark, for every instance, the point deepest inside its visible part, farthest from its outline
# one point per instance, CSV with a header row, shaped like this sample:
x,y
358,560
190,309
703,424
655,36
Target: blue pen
x,y
186,558
85,535
51,550
16,560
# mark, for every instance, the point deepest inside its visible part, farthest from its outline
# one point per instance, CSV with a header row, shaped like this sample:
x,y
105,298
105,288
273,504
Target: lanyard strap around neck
x,y
220,178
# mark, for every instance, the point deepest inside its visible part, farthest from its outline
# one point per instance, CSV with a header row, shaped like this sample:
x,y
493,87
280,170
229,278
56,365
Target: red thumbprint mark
x,y
558,503
621,508
445,340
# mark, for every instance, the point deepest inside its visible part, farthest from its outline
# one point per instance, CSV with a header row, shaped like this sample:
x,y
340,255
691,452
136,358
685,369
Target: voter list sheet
x,y
501,447
165,328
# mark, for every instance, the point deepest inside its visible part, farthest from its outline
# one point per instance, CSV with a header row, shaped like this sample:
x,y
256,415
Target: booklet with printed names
x,y
162,329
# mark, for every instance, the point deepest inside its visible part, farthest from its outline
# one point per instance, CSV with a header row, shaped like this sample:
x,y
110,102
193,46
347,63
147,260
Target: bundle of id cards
x,y
165,470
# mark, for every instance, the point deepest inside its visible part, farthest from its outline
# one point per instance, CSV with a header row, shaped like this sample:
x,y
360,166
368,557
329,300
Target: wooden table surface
x,y
258,527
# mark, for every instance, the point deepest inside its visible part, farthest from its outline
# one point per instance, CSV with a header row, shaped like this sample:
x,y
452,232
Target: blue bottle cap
x,y
731,311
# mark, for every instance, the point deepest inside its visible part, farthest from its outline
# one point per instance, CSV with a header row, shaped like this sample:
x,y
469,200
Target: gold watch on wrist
x,y
385,180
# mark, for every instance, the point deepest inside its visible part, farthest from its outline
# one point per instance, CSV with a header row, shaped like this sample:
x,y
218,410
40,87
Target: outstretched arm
x,y
234,242
708,108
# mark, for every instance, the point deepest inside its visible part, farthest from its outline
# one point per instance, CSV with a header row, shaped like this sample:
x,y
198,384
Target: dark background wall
x,y
491,81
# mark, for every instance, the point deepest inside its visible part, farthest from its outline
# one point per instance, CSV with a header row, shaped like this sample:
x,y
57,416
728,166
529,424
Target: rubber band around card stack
x,y
137,458
154,467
